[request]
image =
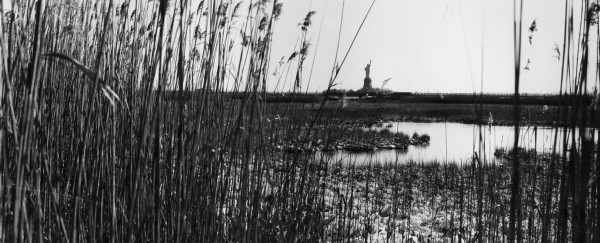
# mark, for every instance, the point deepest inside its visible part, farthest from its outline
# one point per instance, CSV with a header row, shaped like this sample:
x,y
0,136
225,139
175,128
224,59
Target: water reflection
x,y
452,142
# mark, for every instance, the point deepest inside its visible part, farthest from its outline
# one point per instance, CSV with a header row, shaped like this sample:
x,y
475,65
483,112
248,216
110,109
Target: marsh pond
x,y
452,142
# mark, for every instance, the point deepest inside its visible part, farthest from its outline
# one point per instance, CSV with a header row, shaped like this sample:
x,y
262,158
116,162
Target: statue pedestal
x,y
367,84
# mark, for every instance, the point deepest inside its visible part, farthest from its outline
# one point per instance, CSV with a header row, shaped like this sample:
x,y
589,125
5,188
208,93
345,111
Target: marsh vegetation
x,y
149,121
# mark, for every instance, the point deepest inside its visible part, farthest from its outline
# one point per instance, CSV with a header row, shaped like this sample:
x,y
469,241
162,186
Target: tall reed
x,y
147,121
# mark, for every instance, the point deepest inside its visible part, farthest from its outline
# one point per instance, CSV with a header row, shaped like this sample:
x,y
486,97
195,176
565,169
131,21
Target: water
x,y
453,142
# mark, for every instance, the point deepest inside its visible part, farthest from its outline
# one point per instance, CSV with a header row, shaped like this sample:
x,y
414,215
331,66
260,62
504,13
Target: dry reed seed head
x,y
593,13
556,51
308,20
261,4
198,33
263,23
223,22
533,27
124,10
236,9
222,9
294,54
245,40
277,10
304,49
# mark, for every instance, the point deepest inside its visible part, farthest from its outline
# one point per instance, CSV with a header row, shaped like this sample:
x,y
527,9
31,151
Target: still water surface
x,y
452,142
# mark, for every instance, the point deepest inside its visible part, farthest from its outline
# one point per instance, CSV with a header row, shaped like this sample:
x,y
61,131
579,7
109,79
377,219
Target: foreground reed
x,y
146,121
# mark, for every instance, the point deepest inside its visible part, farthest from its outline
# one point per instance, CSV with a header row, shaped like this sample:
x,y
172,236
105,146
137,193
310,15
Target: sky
x,y
426,45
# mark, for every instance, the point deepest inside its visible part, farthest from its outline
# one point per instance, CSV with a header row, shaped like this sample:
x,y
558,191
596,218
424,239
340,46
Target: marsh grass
x,y
150,121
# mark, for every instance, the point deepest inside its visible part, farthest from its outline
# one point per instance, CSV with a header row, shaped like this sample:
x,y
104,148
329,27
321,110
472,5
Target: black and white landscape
x,y
299,121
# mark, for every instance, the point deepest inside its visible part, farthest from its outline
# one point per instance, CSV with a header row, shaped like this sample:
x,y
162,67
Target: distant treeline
x,y
525,99
447,98
269,97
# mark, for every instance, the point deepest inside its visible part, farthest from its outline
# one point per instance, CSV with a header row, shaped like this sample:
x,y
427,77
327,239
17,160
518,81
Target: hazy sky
x,y
423,45
427,45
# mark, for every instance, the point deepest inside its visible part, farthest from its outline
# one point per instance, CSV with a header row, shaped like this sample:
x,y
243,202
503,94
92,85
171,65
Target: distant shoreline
x,y
360,111
406,97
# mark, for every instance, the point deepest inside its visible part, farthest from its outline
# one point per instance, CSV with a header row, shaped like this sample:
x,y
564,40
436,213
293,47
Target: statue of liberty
x,y
367,85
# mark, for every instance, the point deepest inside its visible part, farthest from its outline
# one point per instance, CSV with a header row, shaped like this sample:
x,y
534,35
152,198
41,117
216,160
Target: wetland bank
x,y
202,121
